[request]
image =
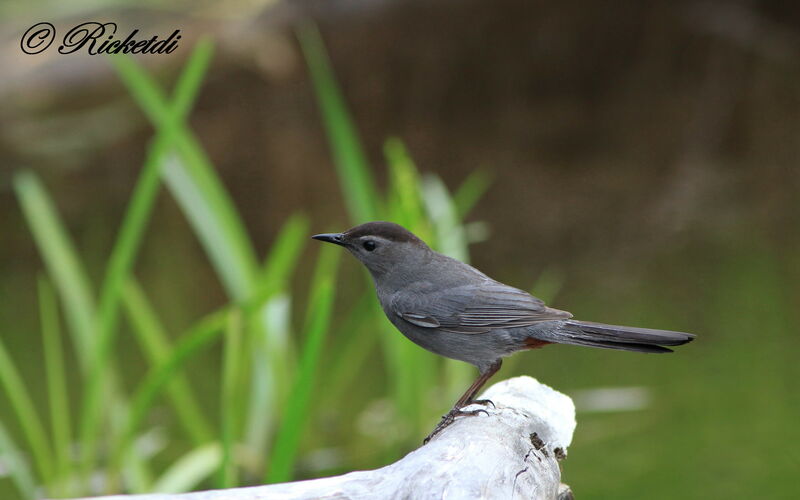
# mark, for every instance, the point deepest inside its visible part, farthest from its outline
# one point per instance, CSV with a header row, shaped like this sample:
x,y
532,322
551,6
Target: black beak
x,y
335,238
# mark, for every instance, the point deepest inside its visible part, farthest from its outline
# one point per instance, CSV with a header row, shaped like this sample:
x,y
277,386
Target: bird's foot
x,y
450,417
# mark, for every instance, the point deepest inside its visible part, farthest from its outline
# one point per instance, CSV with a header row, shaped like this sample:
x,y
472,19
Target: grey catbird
x,y
454,310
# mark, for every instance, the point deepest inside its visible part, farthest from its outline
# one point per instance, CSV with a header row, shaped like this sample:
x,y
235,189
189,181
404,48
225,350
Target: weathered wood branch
x,y
511,453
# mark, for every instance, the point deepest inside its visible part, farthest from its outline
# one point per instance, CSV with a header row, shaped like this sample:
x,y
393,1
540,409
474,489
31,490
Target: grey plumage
x,y
452,309
473,308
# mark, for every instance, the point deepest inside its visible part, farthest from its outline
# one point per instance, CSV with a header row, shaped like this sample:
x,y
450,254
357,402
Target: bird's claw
x,y
484,402
450,417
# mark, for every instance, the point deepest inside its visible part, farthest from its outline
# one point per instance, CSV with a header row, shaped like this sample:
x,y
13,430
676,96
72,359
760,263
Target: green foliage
x,y
155,344
269,376
26,414
298,407
56,381
358,188
61,261
16,465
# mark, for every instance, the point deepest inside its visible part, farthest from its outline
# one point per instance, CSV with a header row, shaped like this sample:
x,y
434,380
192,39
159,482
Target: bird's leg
x,y
467,399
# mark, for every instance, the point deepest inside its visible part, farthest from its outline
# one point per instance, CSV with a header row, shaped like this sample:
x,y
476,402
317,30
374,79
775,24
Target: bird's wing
x,y
475,308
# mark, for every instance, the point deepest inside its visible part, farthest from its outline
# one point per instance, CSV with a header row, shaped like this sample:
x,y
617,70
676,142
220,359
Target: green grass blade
x,y
152,337
357,342
409,387
267,320
190,470
146,189
405,201
197,337
73,285
188,86
135,473
272,362
201,194
470,192
284,253
62,263
231,398
16,467
297,408
25,411
150,96
450,236
234,264
56,380
124,251
360,194
272,357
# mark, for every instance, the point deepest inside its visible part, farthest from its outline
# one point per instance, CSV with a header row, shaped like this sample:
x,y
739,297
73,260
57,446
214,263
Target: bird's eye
x,y
369,245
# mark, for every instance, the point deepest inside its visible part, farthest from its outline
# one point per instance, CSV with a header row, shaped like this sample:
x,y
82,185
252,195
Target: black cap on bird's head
x,y
379,245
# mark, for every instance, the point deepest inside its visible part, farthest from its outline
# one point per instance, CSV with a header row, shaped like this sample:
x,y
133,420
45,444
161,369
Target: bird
x,y
454,310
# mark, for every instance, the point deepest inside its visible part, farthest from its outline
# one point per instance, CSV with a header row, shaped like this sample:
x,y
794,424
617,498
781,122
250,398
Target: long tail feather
x,y
625,338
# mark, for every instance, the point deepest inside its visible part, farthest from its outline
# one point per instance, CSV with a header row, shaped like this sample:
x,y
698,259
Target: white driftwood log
x,y
495,456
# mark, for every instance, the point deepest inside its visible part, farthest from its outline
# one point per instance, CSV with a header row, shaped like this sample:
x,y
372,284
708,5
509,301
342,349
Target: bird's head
x,y
381,246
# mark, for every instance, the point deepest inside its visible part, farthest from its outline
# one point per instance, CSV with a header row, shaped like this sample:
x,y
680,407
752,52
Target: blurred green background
x,y
166,324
